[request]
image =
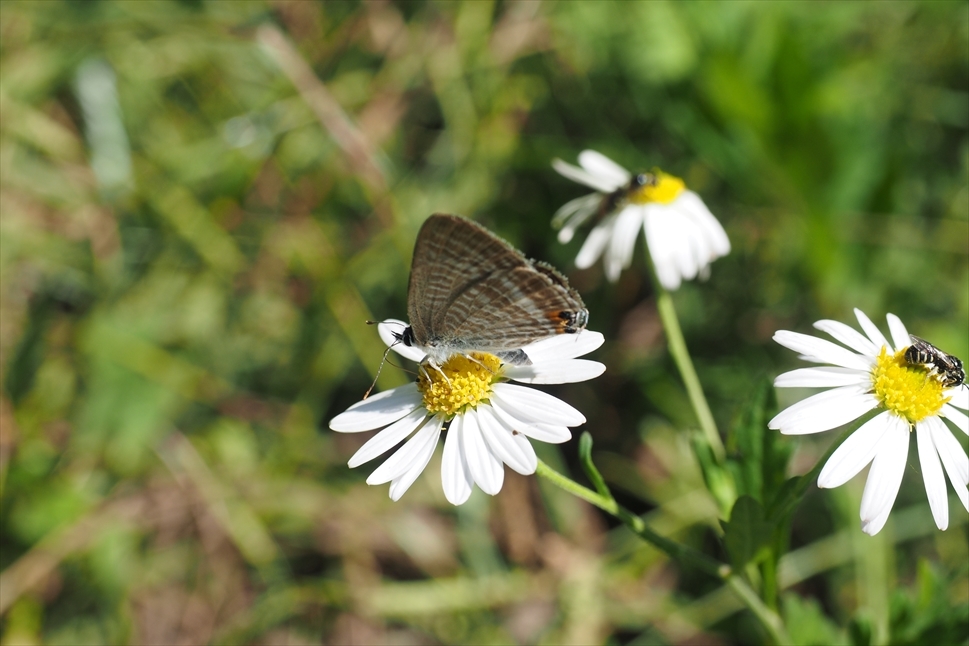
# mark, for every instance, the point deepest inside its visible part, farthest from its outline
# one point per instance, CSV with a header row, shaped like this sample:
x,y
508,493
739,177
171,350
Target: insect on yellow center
x,y
468,383
663,190
910,391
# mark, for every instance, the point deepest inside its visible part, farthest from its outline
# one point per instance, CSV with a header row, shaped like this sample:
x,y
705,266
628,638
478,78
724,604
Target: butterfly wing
x,y
471,290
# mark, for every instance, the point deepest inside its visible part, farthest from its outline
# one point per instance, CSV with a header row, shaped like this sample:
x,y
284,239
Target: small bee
x,y
614,200
949,368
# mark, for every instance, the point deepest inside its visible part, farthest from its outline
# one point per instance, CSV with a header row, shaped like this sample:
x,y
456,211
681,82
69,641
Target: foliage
x,y
193,234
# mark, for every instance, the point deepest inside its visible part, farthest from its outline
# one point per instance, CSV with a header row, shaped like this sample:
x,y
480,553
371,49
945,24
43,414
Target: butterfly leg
x,y
433,365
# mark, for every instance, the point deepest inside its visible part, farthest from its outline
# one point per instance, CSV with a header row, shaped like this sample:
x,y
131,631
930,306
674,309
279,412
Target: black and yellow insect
x,y
947,367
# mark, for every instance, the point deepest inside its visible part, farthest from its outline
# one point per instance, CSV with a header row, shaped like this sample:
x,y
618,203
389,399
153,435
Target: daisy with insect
x,y
682,236
487,420
481,315
913,387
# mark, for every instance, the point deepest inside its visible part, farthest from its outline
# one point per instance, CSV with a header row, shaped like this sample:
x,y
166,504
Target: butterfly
x,y
470,291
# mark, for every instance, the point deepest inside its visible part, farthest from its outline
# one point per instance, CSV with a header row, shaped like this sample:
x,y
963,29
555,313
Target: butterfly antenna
x,y
379,368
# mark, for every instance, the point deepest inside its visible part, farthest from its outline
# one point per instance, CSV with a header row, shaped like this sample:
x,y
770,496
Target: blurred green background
x,y
202,202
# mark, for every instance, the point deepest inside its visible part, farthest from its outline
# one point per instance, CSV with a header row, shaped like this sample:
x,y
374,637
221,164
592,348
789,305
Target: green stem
x,y
771,621
681,356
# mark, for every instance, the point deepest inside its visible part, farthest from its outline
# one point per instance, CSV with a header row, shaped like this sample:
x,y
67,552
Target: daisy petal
x,y
709,223
822,377
581,176
849,336
622,241
402,483
595,244
455,472
820,351
501,441
564,346
378,411
932,477
406,456
387,438
856,452
871,330
598,165
960,396
548,433
565,371
664,244
387,329
574,214
884,478
485,468
953,456
957,417
900,336
527,450
954,460
824,411
536,406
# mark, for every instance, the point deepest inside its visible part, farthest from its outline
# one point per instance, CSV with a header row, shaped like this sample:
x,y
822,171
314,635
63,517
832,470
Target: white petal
x,y
576,174
900,336
599,165
595,244
856,452
687,255
584,207
662,242
820,351
564,346
548,433
622,241
953,456
536,406
501,441
402,483
711,226
884,479
960,396
378,410
527,451
455,472
485,467
822,377
564,371
824,411
954,459
387,438
932,477
849,336
386,330
957,417
871,330
408,455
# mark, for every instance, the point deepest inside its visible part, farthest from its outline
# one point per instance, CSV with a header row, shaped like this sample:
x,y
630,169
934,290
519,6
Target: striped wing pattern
x,y
471,290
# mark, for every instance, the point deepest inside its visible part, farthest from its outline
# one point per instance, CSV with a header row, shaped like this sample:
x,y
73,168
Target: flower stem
x,y
770,620
681,356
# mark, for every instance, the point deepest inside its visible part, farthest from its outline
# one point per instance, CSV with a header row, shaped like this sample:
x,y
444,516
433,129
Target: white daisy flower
x,y
873,374
682,235
488,420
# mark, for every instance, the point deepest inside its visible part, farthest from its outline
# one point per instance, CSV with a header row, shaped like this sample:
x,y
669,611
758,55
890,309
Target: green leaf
x,y
747,532
758,456
807,625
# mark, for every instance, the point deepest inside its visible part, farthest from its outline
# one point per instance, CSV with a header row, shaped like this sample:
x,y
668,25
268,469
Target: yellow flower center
x,y
663,189
467,384
910,391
